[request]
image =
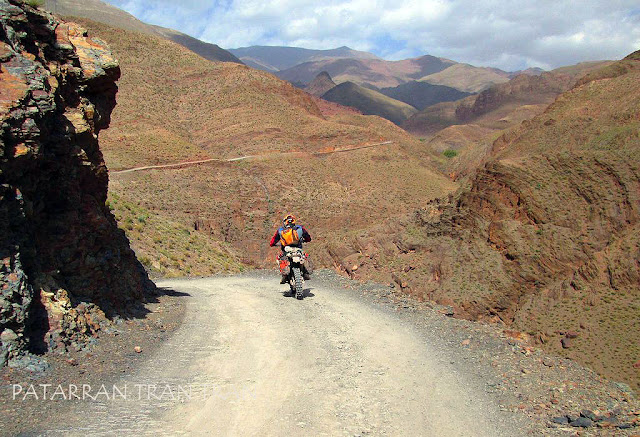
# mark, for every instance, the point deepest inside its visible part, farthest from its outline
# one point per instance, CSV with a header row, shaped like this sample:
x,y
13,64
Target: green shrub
x,y
35,3
450,153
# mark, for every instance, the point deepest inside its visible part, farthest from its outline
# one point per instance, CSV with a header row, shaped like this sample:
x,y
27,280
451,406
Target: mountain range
x,y
419,82
380,73
276,58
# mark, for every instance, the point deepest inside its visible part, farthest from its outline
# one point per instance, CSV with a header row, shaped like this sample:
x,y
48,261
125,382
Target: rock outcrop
x,y
64,264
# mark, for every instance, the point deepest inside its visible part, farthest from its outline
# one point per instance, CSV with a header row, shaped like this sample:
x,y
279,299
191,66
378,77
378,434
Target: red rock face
x,y
63,261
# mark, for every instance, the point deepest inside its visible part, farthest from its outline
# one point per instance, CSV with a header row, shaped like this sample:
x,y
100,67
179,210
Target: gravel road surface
x,y
249,360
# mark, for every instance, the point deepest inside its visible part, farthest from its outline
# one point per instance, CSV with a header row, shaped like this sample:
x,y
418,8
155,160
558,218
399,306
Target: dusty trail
x,y
328,365
243,158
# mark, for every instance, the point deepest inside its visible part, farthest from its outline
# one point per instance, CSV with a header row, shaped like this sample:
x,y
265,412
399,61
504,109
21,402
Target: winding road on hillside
x,y
244,158
258,362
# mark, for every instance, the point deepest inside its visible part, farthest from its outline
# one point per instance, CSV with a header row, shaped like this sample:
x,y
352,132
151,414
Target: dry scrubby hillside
x,y
467,128
174,106
467,78
547,237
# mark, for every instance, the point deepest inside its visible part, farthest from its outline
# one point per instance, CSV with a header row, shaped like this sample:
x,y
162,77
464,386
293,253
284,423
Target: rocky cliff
x,y
64,264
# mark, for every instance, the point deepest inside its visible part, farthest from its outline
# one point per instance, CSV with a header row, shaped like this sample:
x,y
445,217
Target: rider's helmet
x,y
289,220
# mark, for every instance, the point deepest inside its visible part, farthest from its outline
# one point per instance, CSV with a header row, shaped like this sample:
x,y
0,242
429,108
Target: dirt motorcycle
x,y
292,265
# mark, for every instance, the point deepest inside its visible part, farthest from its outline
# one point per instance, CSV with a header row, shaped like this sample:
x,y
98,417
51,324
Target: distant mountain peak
x,y
321,84
324,75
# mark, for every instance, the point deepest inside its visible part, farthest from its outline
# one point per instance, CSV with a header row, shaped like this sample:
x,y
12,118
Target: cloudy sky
x,y
509,34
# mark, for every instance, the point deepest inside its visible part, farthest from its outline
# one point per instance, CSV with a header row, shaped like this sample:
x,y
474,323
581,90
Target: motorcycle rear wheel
x,y
297,277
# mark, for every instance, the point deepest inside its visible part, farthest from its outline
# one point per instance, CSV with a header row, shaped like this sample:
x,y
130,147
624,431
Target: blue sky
x,y
508,34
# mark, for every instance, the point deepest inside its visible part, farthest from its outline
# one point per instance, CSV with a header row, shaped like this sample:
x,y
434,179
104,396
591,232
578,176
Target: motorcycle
x,y
292,265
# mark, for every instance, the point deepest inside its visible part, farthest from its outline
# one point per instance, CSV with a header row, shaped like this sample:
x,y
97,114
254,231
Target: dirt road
x,y
246,157
251,361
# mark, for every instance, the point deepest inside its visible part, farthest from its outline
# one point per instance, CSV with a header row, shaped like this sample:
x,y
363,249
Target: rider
x,y
289,222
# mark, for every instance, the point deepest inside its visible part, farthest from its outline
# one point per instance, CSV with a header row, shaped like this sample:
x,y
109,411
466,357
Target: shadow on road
x,y
305,293
166,291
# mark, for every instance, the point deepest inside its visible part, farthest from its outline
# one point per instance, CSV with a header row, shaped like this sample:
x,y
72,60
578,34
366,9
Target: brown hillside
x,y
492,112
468,78
546,239
491,106
174,106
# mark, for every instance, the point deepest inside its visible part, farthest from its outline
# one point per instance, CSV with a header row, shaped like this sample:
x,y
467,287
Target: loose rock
x,y
581,422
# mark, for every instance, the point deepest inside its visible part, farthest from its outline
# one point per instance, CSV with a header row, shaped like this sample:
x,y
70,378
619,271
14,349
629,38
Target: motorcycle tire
x,y
297,276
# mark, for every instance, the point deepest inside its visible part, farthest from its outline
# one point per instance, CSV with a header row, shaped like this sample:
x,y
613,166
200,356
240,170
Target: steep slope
x,y
65,264
422,94
276,58
320,85
369,102
103,12
174,106
547,237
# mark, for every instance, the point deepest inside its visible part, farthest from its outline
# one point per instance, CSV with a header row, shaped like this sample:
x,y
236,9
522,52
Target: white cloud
x,y
508,34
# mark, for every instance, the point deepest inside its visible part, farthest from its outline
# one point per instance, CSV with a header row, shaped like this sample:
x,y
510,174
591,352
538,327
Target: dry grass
x,y
167,247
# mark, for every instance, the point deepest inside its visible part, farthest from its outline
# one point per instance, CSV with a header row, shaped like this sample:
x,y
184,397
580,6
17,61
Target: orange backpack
x,y
289,236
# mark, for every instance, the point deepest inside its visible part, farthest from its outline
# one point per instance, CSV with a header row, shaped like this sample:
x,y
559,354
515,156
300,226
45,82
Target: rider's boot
x,y
283,280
